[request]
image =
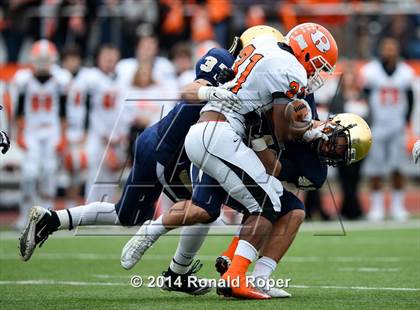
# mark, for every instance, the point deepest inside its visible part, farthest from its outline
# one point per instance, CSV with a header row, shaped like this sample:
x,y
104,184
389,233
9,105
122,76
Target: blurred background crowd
x,y
125,54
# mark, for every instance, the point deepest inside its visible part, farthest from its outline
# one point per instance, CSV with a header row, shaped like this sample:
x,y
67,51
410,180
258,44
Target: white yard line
x,y
211,258
369,269
82,283
54,282
360,288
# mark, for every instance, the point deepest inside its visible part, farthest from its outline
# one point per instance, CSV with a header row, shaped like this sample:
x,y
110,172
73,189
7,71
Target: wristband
x,y
259,145
203,93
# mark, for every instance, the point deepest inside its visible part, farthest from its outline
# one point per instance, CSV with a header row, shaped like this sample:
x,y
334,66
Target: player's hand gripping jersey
x,y
266,74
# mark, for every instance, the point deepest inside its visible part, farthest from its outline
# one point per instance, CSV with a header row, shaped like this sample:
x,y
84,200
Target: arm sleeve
x,y
87,102
20,112
62,109
410,103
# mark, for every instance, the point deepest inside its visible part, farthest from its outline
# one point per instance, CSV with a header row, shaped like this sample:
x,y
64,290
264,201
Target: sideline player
x,y
77,105
387,83
266,73
41,124
105,93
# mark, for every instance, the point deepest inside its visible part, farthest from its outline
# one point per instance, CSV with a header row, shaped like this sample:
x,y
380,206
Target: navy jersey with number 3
x,y
157,150
170,132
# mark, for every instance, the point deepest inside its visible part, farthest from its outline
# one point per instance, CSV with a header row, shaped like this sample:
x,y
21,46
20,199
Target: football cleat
x,y
274,292
186,283
135,248
242,290
222,264
41,224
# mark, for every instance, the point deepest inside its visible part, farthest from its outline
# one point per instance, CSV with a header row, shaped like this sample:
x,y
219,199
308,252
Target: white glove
x,y
416,152
220,98
259,144
314,134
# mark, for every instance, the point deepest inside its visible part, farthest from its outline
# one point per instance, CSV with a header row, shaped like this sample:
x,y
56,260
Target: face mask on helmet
x,y
336,151
318,78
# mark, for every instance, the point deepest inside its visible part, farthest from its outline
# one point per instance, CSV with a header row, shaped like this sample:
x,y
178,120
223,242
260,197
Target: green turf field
x,y
366,269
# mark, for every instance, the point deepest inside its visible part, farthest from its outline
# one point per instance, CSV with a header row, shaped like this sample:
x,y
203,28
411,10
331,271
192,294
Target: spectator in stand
x,y
219,14
181,55
173,25
350,99
17,25
163,71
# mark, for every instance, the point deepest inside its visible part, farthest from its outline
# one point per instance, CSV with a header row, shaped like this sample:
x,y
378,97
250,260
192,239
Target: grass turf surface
x,y
84,273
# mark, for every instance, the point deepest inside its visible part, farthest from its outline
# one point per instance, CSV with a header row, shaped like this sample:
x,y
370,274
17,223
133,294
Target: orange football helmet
x,y
43,55
316,49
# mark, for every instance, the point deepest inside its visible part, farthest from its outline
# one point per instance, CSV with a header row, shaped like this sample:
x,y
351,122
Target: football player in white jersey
x,y
268,74
75,157
388,87
104,144
41,124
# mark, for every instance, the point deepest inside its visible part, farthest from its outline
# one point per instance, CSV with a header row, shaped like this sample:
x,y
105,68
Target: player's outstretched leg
x,y
43,222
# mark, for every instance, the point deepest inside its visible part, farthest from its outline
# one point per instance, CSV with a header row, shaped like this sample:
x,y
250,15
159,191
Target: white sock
x,y
95,213
246,249
397,200
264,267
156,229
192,237
377,198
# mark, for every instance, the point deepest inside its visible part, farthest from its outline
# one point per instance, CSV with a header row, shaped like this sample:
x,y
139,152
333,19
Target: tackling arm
x,y
220,97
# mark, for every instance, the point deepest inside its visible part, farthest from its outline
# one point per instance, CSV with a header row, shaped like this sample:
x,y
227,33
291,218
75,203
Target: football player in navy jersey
x,y
158,150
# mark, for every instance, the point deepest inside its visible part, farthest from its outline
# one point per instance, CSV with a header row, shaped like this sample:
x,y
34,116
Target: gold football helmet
x,y
349,140
251,33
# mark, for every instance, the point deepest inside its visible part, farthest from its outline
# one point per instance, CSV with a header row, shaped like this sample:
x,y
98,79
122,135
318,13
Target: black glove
x,y
225,75
4,142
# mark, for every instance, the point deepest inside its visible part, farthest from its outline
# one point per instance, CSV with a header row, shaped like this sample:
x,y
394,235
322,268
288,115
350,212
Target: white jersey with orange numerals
x,y
42,100
76,105
265,74
388,99
105,96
